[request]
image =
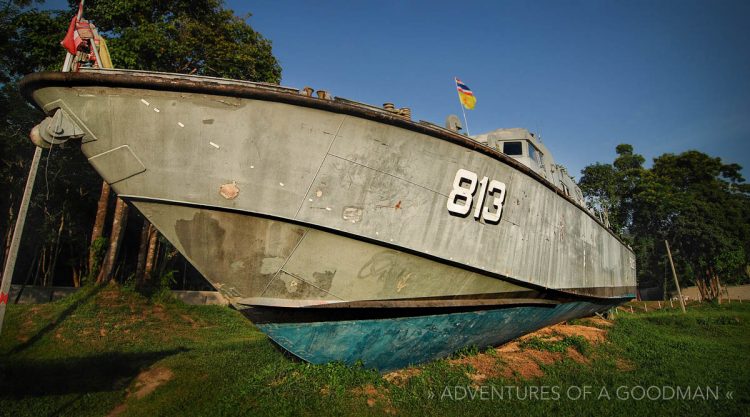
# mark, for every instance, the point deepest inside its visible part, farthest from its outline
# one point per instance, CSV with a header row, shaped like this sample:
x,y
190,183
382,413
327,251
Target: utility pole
x,y
674,274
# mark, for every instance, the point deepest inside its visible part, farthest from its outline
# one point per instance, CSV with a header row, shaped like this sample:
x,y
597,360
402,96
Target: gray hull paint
x,y
260,261
303,172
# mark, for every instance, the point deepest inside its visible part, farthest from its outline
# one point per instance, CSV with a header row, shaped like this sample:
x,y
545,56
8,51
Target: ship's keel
x,y
383,340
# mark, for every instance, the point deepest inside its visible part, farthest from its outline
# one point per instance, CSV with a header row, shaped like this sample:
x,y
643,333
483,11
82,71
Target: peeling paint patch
x,y
319,193
237,265
229,191
271,265
352,214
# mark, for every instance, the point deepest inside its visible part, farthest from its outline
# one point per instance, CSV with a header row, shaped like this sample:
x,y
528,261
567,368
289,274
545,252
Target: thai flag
x,y
465,95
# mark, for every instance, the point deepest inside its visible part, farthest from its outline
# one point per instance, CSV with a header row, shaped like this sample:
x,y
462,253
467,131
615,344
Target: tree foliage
x,y
197,36
610,187
697,202
187,36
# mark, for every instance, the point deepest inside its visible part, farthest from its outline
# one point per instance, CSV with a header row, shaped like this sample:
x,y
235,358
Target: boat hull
x,y
292,202
397,342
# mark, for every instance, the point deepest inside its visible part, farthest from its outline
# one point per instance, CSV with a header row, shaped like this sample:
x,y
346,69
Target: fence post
x,y
674,274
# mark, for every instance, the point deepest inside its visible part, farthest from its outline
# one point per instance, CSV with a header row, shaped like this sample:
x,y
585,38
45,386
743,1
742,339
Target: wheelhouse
x,y
526,148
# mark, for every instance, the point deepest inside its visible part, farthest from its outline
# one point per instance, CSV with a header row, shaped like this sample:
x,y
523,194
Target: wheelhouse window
x,y
535,155
513,148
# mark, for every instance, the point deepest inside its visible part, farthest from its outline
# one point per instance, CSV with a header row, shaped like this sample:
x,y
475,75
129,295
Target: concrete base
x,y
201,297
38,295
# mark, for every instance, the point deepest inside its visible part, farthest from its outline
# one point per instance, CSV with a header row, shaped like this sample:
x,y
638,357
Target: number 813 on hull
x,y
462,197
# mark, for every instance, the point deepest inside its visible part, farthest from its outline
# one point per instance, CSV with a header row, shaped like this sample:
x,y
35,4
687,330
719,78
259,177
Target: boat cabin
x,y
526,148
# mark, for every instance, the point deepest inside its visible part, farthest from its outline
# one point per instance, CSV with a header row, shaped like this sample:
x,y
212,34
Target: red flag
x,y
69,41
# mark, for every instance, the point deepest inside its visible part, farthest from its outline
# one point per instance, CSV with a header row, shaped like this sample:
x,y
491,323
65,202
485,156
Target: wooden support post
x,y
10,262
674,274
718,287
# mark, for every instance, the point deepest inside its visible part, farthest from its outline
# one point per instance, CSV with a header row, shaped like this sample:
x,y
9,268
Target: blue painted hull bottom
x,y
392,343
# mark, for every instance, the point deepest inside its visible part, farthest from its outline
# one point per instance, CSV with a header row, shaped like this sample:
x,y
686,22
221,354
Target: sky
x,y
665,76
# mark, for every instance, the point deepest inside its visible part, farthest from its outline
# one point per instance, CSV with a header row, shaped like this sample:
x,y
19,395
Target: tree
x,y
200,37
706,213
186,36
610,187
696,202
118,233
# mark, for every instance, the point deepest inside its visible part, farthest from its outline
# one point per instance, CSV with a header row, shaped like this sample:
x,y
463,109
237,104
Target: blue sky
x,y
664,76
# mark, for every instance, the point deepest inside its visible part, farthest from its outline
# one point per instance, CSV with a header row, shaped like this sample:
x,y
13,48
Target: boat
x,y
345,232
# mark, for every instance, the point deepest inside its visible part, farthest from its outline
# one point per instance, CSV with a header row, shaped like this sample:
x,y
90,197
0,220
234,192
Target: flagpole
x,y
464,112
460,103
79,15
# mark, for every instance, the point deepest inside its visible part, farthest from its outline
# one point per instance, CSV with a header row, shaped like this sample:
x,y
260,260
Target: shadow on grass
x,y
60,318
105,372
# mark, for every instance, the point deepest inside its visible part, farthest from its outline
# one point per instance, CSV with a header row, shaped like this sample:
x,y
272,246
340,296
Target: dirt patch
x,y
576,356
483,366
512,361
190,320
592,334
402,376
159,312
150,379
110,296
374,396
508,361
596,322
145,383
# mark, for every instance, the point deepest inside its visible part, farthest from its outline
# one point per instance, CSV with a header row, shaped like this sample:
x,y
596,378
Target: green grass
x,y
81,356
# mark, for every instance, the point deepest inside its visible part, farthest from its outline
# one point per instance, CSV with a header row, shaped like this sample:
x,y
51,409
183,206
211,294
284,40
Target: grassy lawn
x,y
107,350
